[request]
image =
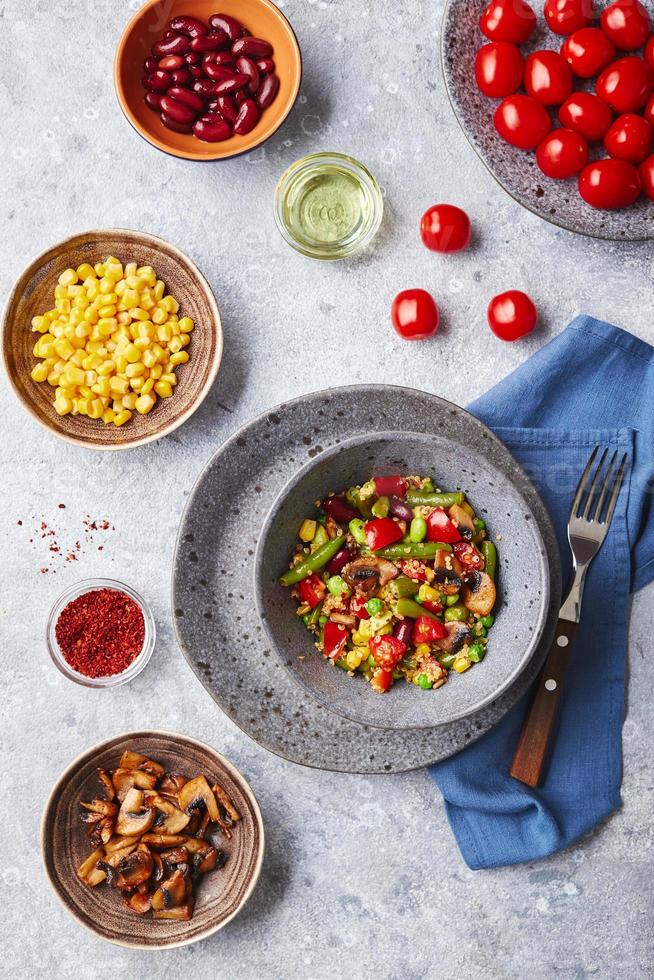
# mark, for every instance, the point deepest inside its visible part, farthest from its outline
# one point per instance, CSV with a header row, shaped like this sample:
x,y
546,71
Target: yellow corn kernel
x,y
106,368
185,339
108,416
108,310
144,328
132,354
169,303
53,378
427,594
102,387
96,408
142,343
91,315
85,391
78,357
63,405
145,403
360,639
83,405
122,417
67,278
135,369
146,302
180,358
136,384
130,269
307,530
155,371
106,326
62,305
77,290
174,345
170,377
461,664
186,324
148,385
83,330
90,377
129,400
64,348
106,285
40,324
159,288
158,315
119,386
353,659
113,269
138,314
121,363
123,317
164,390
44,346
39,372
85,271
164,333
423,649
149,358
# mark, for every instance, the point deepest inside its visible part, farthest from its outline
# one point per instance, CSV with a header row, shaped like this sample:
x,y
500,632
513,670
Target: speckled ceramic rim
x,y
365,438
135,736
154,243
113,680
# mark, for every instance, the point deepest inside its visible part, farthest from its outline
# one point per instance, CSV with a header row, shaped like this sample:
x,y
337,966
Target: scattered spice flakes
x,y
68,552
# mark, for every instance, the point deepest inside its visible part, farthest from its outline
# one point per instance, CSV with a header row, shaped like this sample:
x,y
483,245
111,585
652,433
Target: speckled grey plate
x,y
556,201
458,459
215,617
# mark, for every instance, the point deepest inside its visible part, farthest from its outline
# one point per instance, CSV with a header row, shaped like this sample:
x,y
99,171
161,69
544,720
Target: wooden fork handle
x,y
531,751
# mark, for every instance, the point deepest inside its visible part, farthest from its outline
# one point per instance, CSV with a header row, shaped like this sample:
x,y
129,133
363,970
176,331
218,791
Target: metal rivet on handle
x,y
550,685
562,641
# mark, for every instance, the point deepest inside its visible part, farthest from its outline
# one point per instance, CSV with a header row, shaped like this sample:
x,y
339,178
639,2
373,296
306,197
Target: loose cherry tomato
x,y
381,532
562,154
311,590
646,171
381,680
467,554
648,111
508,20
498,69
389,486
387,650
587,115
548,77
511,315
334,638
649,52
414,314
588,52
627,24
626,84
427,630
629,138
566,16
609,184
444,227
522,121
441,528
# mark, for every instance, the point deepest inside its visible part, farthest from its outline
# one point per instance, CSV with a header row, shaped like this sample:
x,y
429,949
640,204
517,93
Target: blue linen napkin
x,y
594,383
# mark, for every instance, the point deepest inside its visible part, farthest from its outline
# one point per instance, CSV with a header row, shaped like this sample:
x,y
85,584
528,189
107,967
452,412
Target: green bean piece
x,y
455,614
374,606
403,586
424,682
451,600
312,619
337,586
426,498
418,530
357,530
479,524
412,610
489,551
487,621
381,507
320,537
424,549
446,659
476,652
313,562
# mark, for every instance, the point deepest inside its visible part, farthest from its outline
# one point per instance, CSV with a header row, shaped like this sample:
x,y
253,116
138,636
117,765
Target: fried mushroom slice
x,y
162,842
197,794
225,801
368,575
171,892
479,593
170,819
105,779
134,817
132,760
457,635
89,865
463,521
125,779
172,783
103,807
135,869
180,912
140,902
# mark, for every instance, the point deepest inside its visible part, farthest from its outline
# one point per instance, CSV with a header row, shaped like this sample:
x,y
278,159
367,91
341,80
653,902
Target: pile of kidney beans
x,y
616,110
211,81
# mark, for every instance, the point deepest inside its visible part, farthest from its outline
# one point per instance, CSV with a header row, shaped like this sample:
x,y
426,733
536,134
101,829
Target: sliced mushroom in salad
x,y
396,580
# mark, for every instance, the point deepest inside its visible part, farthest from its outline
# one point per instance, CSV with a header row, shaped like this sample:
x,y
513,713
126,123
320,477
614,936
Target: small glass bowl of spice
x,y
100,633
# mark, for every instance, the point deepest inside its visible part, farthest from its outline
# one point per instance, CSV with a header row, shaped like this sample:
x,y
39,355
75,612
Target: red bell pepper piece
x,y
381,680
412,568
381,532
441,528
467,554
333,639
426,630
358,607
434,607
311,590
387,650
389,486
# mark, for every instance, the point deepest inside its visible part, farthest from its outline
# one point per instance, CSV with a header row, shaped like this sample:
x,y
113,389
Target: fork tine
x,y
608,482
581,486
591,492
616,490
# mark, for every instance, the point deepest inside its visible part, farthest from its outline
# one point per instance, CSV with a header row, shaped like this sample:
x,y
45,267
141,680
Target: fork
x,y
588,524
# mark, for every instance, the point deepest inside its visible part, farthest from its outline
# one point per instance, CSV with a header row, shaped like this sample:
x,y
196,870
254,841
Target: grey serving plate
x,y
515,170
461,459
212,589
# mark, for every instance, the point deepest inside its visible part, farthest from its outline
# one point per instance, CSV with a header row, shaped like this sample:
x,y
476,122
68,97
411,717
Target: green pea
x,y
446,659
418,530
476,652
451,600
380,507
487,621
479,524
455,614
357,530
374,606
337,586
322,620
424,682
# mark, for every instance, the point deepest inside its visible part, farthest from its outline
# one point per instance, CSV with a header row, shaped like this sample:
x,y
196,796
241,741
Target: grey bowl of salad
x,y
402,577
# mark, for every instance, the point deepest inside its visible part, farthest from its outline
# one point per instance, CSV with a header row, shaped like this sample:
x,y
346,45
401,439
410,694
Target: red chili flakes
x,y
101,632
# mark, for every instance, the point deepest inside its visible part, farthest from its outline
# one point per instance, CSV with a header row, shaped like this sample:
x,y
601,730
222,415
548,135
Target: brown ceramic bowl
x,y
219,895
260,17
33,294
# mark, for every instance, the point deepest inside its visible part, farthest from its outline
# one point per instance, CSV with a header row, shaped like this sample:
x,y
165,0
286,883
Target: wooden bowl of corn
x,y
111,339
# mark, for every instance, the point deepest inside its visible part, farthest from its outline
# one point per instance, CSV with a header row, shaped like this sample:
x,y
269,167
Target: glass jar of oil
x,y
328,206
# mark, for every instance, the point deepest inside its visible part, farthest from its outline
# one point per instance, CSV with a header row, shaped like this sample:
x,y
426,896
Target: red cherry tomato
x,y
649,52
498,69
548,78
562,154
427,630
445,228
629,138
522,121
609,184
414,314
467,554
389,486
566,16
311,590
646,171
508,20
587,115
334,638
381,532
441,528
588,52
627,24
511,315
626,84
387,650
648,111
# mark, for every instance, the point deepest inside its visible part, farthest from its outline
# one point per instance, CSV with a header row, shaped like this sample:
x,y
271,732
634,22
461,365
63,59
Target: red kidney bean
x,y
158,81
182,76
226,107
403,631
265,65
195,71
341,511
231,84
342,557
204,86
267,91
217,72
177,110
220,58
240,96
151,64
247,67
192,58
210,42
212,129
173,45
248,117
399,509
153,100
190,99
177,127
170,33
171,62
232,28
188,25
252,46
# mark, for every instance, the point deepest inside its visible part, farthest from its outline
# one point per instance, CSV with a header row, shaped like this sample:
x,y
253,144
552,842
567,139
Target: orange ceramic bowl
x,y
147,26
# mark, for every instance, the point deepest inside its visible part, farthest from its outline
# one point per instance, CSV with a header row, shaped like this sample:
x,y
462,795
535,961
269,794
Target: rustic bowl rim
x,y
152,241
234,773
193,157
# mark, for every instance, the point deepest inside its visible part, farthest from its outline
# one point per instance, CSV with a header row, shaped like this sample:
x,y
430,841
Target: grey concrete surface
x,y
362,877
